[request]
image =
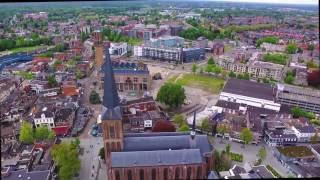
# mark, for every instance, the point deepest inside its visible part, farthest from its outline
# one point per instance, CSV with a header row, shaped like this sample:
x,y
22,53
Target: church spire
x,y
110,108
193,131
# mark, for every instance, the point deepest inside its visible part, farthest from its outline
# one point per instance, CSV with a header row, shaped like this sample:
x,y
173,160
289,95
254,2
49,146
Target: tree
x,y
194,68
239,76
26,133
171,94
225,162
66,157
52,81
79,74
163,126
205,125
76,142
292,48
262,154
178,119
94,97
217,69
246,136
311,47
228,147
222,129
211,61
184,128
232,74
101,153
51,135
217,160
314,139
246,76
289,78
41,133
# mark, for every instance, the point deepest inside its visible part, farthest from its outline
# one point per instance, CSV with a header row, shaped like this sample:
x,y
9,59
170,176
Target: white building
x,y
304,133
119,49
250,93
44,118
206,113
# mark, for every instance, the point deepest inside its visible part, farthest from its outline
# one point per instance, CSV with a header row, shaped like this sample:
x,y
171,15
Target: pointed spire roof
x,y
110,108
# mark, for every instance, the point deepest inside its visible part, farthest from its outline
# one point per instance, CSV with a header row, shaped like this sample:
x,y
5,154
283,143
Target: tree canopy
x,y
246,135
269,39
66,157
194,68
262,154
298,112
292,48
26,133
94,97
178,119
184,128
171,94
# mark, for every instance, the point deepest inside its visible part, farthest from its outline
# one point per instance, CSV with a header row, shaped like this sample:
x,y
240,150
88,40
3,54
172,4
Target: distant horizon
x,y
295,2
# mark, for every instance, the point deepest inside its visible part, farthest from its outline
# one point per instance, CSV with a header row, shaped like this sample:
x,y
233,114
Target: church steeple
x,y
111,116
193,131
110,108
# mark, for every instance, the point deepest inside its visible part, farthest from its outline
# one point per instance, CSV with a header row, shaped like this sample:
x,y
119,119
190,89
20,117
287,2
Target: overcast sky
x,y
279,1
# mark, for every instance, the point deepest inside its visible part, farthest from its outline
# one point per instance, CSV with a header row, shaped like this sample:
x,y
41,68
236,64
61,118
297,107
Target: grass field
x,y
25,75
206,83
26,49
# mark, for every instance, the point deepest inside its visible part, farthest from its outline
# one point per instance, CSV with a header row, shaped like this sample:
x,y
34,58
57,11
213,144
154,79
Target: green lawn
x,y
25,75
26,49
207,83
276,58
172,79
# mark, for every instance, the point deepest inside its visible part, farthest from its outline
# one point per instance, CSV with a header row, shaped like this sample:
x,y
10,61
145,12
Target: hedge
x,y
236,157
274,172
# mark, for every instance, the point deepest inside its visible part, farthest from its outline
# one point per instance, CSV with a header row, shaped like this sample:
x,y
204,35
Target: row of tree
x,y
29,135
66,157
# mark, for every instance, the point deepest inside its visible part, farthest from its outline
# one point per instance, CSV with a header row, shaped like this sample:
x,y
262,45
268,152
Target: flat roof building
x,y
305,98
250,93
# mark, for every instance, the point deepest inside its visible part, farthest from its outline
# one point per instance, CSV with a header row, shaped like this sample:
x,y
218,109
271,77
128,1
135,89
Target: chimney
x,y
193,131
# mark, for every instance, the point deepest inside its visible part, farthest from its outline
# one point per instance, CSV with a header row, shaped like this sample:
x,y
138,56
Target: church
x,y
144,156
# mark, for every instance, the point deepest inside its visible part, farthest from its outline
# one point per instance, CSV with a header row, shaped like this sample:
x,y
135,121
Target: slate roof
x,y
127,68
263,172
166,142
249,89
23,175
155,158
48,114
305,129
316,147
110,109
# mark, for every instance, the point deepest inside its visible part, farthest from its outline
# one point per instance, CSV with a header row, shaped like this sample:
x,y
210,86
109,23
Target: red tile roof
x,y
62,130
70,91
41,59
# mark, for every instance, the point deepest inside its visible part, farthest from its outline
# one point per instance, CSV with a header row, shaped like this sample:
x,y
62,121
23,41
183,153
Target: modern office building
x,y
176,55
171,41
193,54
305,98
118,49
175,30
158,53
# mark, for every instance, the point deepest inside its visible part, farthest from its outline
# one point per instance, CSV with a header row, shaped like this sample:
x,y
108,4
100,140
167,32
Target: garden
x,y
276,58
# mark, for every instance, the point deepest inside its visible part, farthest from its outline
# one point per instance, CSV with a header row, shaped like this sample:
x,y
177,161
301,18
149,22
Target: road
x,y
250,154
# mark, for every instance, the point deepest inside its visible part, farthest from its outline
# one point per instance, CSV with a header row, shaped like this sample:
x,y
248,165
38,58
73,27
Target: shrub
x,y
274,172
236,157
